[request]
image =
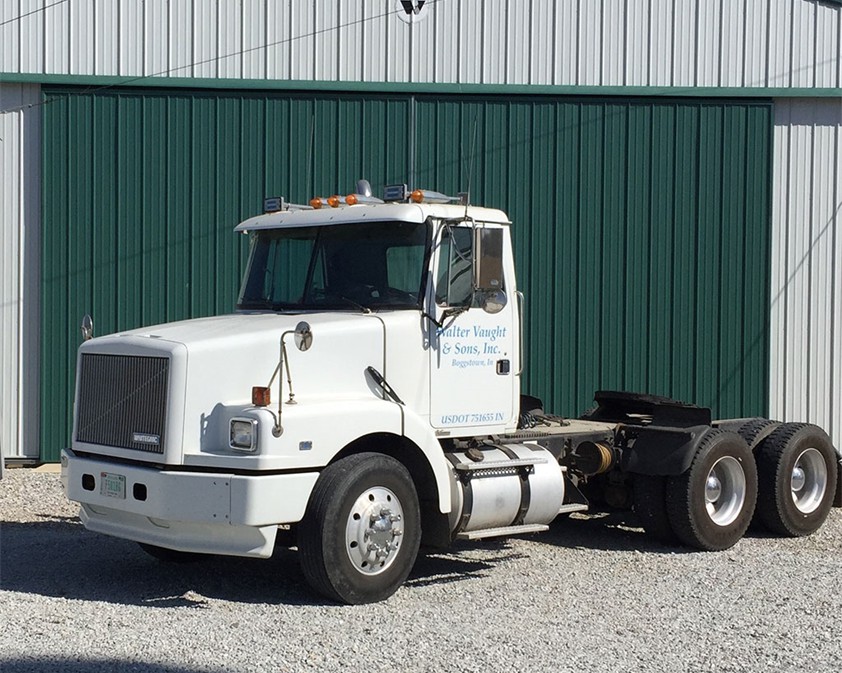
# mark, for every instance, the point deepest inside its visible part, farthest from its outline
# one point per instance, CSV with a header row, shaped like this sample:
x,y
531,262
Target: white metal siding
x,y
20,142
806,292
685,43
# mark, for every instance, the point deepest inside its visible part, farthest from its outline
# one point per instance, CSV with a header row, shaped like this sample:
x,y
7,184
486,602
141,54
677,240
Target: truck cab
x,y
365,395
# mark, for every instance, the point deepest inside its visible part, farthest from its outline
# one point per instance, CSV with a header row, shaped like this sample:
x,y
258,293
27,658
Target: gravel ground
x,y
592,594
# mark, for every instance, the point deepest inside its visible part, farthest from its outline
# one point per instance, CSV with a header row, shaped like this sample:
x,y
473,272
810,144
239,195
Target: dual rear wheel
x,y
786,485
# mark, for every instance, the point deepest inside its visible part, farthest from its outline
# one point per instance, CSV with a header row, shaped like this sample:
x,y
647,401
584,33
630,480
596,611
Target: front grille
x,y
123,401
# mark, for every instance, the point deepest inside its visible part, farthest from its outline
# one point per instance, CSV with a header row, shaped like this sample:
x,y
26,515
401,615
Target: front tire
x,y
711,504
360,535
797,473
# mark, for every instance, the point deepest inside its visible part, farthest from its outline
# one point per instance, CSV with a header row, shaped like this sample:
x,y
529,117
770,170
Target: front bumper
x,y
212,513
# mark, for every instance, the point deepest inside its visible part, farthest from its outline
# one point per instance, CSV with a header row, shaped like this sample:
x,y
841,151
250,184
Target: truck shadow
x,y
56,556
66,665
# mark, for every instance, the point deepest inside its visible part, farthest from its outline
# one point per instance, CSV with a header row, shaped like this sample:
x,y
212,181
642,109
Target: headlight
x,y
243,434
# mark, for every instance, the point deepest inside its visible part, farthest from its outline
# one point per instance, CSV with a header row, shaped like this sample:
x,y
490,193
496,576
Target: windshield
x,y
362,265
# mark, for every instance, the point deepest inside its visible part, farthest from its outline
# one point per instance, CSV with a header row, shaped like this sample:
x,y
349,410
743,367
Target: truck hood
x,y
221,358
241,329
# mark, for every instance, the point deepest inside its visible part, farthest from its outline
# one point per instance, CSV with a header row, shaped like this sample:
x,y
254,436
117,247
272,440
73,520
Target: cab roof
x,y
381,212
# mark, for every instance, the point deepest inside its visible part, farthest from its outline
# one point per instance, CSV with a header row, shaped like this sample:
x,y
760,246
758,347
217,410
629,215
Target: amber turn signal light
x,y
260,396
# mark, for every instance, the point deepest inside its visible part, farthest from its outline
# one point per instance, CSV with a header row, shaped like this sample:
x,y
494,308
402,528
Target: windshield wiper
x,y
364,309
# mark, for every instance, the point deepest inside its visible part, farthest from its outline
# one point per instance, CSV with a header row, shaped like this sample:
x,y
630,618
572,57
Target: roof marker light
x,y
394,193
273,204
316,202
333,201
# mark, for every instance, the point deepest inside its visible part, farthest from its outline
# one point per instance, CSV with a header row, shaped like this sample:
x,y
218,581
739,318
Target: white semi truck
x,y
365,398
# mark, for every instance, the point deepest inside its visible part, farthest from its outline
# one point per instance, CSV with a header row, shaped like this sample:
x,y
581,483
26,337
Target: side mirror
x,y
488,268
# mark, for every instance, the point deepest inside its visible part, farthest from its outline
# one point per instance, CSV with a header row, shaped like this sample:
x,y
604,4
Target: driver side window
x,y
454,286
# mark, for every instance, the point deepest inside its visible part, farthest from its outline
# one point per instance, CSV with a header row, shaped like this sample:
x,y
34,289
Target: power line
x,y
214,59
34,11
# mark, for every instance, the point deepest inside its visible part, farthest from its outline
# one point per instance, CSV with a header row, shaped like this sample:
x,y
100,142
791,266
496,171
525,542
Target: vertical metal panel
x,y
637,45
590,43
150,187
802,66
780,43
156,53
756,42
254,37
278,40
206,30
131,43
10,36
778,59
57,30
806,274
471,43
828,60
81,37
105,38
614,33
641,234
20,167
661,32
732,43
180,39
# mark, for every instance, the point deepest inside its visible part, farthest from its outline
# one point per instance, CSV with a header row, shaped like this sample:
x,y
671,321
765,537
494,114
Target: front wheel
x,y
796,468
360,535
711,504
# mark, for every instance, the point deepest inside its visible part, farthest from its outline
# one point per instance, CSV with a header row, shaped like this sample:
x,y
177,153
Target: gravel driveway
x,y
589,595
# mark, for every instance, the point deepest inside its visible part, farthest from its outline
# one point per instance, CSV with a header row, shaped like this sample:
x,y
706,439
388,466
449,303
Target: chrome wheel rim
x,y
373,531
725,491
808,481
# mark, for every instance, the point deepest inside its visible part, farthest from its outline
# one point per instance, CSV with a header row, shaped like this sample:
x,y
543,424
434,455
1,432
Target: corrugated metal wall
x,y
641,228
641,232
681,43
20,181
806,291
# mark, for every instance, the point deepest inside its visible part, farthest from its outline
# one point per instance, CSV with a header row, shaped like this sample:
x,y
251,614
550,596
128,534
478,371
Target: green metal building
x,y
668,238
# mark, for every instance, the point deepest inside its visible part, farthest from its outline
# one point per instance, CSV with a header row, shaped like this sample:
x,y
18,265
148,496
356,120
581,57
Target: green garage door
x,y
641,227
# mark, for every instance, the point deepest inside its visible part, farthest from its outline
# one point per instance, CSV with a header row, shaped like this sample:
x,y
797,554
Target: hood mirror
x,y
87,327
303,336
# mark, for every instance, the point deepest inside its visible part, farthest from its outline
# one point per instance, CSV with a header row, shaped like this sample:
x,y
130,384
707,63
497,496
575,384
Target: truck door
x,y
474,377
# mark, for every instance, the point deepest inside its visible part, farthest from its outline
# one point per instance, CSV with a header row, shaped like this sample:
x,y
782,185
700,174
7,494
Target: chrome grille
x,y
123,401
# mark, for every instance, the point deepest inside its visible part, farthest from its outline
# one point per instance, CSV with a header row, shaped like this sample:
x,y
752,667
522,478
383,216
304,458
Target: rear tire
x,y
360,535
650,505
797,476
711,504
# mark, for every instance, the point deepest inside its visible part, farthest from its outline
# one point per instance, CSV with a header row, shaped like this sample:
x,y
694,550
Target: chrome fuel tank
x,y
504,485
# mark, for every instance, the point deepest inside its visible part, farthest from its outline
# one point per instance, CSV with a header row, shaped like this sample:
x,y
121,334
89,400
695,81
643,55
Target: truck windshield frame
x,y
361,265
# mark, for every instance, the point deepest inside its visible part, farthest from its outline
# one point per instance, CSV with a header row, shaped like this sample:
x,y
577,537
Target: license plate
x,y
112,485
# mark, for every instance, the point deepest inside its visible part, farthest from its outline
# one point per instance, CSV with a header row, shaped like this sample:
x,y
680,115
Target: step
x,y
573,507
503,530
497,464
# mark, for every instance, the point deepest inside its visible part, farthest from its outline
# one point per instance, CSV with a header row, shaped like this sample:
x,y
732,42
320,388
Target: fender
x,y
326,426
659,451
419,431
